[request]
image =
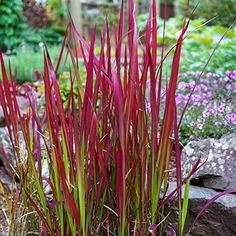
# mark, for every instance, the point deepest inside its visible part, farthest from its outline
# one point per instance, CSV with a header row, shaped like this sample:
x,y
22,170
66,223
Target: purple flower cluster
x,y
230,118
212,107
212,102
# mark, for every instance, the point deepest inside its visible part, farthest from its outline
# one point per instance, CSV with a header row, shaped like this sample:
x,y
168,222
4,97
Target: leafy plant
x,y
57,12
201,38
14,32
167,1
200,33
224,10
10,32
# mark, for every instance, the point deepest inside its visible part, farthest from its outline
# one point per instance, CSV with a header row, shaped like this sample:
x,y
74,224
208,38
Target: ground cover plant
x,y
211,106
107,154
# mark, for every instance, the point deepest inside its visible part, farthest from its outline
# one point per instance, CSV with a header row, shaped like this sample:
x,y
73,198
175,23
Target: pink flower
x,y
206,114
200,126
182,86
148,107
221,108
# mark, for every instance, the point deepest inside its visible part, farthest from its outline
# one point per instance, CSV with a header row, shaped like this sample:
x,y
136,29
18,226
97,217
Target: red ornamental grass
x,y
108,160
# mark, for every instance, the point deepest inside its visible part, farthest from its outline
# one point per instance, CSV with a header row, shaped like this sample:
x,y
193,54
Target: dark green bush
x,y
224,10
14,31
167,1
12,24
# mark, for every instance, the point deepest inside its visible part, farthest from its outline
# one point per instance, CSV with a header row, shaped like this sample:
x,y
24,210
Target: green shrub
x,y
12,24
14,31
200,33
203,38
167,1
224,10
223,60
57,13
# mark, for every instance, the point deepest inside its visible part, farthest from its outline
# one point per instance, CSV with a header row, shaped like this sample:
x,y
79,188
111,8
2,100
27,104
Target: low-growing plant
x,y
211,111
107,157
27,63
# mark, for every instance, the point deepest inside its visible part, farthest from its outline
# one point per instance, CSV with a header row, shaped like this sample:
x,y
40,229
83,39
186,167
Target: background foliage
x,y
224,10
11,12
14,31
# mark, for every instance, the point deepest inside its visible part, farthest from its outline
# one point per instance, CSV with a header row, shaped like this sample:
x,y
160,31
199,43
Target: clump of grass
x,y
108,158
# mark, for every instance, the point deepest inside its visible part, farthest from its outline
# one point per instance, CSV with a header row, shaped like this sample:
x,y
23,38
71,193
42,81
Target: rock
x,y
45,176
2,119
220,155
6,179
23,103
6,144
217,220
4,170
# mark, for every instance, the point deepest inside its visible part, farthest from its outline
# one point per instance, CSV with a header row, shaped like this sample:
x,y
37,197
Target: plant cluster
x,y
107,166
201,38
224,10
57,13
107,155
15,31
12,24
211,111
35,14
199,32
223,60
26,62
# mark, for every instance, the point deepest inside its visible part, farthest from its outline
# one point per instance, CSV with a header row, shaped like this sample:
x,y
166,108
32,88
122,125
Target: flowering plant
x,y
211,111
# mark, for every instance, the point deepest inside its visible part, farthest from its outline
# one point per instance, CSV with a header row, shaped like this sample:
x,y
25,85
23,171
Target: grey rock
x,y
220,155
6,144
217,220
6,180
2,118
45,175
23,104
195,192
5,176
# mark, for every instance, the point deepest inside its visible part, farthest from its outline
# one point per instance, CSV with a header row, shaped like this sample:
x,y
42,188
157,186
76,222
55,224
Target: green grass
x,y
26,61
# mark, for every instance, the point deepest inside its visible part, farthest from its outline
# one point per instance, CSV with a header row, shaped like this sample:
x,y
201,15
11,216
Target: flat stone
x,y
220,155
195,192
217,220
